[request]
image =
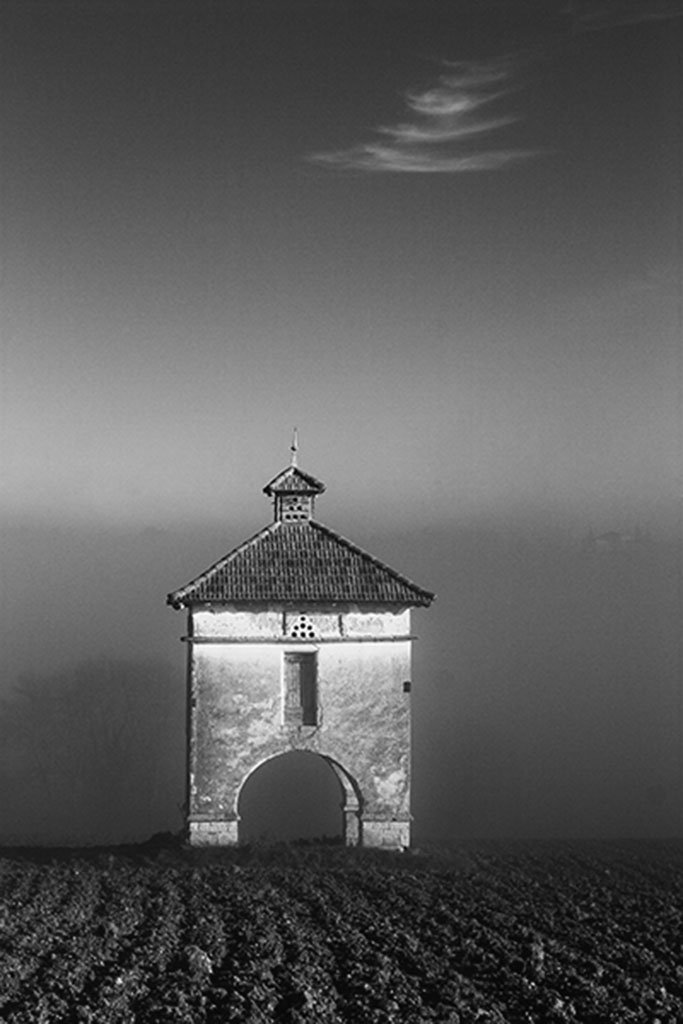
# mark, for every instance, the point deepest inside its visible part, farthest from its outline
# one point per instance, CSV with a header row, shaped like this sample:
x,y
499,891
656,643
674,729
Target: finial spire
x,y
294,446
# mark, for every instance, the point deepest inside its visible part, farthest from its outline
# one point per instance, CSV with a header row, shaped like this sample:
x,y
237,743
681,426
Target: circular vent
x,y
302,629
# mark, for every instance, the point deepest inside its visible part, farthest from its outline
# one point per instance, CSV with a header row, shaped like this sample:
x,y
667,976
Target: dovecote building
x,y
300,640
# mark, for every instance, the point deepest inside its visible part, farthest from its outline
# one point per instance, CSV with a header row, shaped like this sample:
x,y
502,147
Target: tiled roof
x,y
300,562
294,481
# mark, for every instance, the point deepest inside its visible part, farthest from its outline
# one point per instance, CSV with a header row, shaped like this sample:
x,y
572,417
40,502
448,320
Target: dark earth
x,y
516,932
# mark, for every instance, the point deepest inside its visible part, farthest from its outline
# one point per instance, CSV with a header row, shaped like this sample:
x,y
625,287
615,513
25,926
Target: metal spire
x,y
294,446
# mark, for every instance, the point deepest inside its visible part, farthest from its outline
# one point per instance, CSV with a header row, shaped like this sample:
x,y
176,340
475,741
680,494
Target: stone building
x,y
300,640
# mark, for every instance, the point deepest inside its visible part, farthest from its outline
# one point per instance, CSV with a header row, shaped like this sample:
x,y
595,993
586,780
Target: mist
x,y
547,694
546,682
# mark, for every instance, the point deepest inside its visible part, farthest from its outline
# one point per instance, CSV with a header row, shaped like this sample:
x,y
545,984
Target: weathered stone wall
x,y
237,718
392,835
213,833
218,622
376,624
323,624
236,698
211,623
365,719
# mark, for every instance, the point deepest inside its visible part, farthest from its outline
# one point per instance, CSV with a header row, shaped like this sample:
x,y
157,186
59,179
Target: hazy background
x,y
443,240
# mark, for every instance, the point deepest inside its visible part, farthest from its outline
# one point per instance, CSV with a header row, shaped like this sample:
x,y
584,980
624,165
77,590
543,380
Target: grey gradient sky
x,y
205,242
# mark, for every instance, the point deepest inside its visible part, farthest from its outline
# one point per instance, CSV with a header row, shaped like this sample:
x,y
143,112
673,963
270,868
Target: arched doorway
x,y
295,795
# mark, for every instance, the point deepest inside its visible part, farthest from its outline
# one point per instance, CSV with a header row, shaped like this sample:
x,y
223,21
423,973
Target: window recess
x,y
300,698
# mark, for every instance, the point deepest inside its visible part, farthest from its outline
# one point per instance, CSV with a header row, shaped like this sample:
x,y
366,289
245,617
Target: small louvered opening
x,y
294,508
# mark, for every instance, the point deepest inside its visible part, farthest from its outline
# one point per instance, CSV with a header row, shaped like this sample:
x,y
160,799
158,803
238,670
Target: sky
x,y
442,240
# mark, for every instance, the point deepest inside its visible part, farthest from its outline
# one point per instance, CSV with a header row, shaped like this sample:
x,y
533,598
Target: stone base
x,y
212,833
352,832
380,833
389,835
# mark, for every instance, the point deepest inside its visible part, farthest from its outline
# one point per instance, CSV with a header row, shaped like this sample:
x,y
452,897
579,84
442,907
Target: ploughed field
x,y
516,933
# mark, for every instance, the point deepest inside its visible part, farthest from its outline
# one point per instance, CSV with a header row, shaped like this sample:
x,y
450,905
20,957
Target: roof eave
x,y
188,601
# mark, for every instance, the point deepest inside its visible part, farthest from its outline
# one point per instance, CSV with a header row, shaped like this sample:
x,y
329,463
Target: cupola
x,y
294,494
293,491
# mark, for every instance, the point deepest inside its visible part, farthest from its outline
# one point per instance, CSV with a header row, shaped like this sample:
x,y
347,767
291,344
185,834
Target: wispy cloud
x,y
596,15
449,123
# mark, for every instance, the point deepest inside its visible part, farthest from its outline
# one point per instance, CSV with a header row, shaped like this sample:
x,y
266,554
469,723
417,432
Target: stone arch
x,y
351,802
352,808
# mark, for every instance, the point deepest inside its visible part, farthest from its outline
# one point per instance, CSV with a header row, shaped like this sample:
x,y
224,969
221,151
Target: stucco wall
x,y
237,623
217,622
376,624
237,721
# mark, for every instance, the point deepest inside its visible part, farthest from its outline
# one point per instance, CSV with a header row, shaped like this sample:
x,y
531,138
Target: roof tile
x,y
294,481
300,562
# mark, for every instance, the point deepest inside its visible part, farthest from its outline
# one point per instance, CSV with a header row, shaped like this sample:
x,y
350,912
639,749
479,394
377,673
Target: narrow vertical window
x,y
300,689
308,690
